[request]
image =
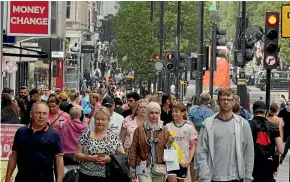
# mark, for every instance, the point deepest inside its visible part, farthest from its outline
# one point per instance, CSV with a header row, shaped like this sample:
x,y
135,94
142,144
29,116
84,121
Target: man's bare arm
x,y
11,166
59,167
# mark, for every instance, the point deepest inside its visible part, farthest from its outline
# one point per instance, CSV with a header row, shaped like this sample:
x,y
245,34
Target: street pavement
x,y
283,173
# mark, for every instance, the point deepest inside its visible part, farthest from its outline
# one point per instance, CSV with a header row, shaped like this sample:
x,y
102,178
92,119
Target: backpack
x,y
263,142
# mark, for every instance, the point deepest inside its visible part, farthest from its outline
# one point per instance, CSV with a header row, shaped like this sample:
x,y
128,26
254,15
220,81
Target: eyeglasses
x,y
226,100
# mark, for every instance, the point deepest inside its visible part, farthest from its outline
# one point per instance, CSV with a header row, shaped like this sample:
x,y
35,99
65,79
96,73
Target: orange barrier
x,y
221,76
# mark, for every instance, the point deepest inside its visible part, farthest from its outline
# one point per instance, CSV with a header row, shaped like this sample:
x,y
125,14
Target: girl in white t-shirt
x,y
185,137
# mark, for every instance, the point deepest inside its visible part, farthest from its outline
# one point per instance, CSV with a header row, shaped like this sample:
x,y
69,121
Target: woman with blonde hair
x,y
147,148
131,122
74,98
95,147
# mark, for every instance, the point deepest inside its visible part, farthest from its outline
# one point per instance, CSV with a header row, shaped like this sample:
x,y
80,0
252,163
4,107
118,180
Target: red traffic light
x,y
170,56
157,57
272,19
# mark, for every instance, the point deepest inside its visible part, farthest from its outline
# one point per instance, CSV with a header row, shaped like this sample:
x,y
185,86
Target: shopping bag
x,y
171,159
170,155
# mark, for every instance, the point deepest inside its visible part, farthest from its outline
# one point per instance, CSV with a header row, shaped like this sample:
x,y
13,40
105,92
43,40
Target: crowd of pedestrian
x,y
106,135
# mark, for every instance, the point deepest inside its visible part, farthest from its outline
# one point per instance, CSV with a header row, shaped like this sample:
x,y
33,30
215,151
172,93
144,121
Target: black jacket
x,y
118,169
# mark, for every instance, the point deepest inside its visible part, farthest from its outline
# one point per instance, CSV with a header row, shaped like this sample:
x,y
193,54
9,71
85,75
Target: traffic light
x,y
218,39
271,47
193,68
170,56
249,50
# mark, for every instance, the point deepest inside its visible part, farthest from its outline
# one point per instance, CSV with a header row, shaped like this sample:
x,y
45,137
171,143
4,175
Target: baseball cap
x,y
33,91
259,106
108,101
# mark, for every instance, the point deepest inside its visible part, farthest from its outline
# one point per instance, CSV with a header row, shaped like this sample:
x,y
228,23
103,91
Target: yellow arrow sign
x,y
285,21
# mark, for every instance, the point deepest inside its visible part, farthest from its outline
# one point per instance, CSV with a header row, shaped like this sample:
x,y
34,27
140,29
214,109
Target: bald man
x,y
35,149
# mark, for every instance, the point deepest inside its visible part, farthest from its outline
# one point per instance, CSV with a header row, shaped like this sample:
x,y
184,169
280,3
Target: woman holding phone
x,y
95,147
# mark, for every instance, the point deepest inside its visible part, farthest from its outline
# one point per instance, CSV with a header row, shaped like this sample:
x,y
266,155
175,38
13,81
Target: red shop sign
x,y
29,18
8,132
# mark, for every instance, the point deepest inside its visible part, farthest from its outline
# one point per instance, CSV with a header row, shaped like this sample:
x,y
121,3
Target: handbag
x,y
71,176
159,169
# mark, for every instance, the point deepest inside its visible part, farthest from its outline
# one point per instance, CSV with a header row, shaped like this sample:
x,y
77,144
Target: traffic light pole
x,y
241,86
199,81
268,88
161,27
213,58
177,48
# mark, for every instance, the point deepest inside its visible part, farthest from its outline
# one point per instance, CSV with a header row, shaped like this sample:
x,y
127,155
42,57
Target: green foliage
x,y
138,39
259,19
134,37
256,10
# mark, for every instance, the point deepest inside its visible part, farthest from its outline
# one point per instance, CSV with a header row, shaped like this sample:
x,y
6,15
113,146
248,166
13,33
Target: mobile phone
x,y
101,154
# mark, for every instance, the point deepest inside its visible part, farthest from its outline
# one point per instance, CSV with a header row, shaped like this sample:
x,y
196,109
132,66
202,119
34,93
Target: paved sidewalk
x,y
283,173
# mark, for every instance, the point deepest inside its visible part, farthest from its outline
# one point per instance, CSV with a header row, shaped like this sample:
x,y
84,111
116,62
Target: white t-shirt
x,y
183,135
115,124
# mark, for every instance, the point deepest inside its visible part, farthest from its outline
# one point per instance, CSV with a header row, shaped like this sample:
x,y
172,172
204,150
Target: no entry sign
x,y
29,18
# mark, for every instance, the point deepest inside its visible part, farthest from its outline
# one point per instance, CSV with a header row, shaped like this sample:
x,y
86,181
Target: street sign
x,y
158,65
11,67
57,54
270,60
26,52
285,21
87,49
29,18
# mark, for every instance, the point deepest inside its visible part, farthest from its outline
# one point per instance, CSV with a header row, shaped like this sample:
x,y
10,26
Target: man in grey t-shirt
x,y
225,150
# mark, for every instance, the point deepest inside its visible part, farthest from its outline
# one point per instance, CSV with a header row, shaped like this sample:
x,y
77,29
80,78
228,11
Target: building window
x,y
68,7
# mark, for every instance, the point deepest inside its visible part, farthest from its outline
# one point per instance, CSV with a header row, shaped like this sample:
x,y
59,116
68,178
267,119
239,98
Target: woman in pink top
x,y
69,133
56,117
130,123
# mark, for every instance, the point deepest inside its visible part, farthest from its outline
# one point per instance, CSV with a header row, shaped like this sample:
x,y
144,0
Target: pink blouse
x,y
130,125
62,116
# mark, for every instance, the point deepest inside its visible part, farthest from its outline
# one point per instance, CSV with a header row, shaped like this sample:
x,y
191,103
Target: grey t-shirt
x,y
225,155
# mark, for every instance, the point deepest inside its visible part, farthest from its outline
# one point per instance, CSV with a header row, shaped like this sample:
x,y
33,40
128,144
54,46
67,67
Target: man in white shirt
x,y
116,119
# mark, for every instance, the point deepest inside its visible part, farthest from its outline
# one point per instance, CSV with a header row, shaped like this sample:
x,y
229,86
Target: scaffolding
x,y
72,72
